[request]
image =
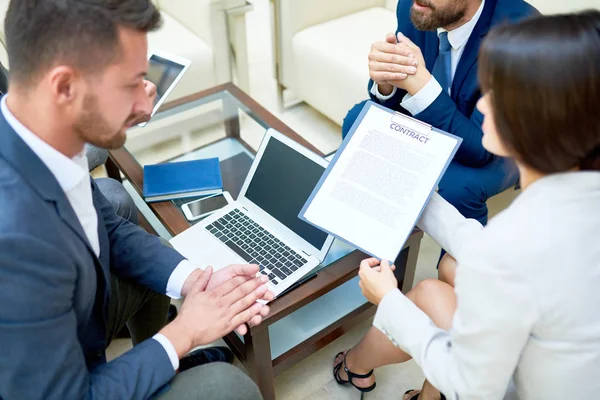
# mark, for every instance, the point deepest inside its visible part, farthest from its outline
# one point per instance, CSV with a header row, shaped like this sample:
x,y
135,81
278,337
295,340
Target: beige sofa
x,y
205,32
322,56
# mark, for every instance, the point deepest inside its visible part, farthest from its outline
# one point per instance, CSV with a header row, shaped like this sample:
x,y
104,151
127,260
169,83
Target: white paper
x,y
378,187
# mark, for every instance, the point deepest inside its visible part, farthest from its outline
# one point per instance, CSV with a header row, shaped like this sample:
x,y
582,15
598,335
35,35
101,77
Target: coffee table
x,y
307,318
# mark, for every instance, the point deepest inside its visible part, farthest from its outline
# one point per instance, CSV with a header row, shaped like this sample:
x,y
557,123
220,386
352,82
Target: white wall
x,y
564,6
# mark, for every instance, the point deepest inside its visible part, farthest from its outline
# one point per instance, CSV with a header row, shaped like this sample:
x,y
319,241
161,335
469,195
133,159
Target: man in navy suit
x,y
428,70
78,70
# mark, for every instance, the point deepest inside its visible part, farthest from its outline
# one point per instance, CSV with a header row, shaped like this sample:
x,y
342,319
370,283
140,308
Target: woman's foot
x,y
411,394
351,365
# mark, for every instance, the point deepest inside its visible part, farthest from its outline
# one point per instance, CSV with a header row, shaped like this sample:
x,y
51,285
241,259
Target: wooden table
x,y
264,350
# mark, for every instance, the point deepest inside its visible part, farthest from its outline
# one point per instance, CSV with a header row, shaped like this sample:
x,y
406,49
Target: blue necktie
x,y
442,69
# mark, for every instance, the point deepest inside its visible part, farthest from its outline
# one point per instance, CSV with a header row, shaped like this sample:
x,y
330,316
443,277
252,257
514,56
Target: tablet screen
x,y
164,71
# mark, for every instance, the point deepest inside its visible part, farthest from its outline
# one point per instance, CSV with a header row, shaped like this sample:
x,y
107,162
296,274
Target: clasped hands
x,y
216,303
398,62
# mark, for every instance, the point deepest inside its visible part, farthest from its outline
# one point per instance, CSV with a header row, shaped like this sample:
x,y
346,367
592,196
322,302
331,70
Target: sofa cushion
x,y
175,39
193,14
331,60
392,4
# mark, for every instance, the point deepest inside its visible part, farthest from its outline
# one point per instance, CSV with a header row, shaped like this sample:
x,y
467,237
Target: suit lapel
x,y
471,52
104,261
102,234
38,176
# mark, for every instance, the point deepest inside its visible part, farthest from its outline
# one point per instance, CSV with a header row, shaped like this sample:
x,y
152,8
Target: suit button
x,y
99,354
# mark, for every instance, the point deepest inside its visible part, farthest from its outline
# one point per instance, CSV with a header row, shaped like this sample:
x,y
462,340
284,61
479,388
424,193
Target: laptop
x,y
262,227
165,71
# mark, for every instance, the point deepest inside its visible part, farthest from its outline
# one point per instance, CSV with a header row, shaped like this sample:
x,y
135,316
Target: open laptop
x,y
165,71
262,227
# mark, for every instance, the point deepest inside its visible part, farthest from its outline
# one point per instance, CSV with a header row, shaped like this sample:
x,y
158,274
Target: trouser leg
x,y
118,197
216,381
144,311
468,188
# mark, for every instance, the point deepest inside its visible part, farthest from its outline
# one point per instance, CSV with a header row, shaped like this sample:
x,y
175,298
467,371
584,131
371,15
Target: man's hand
x,y
230,272
248,271
189,282
376,279
207,315
414,82
390,64
150,89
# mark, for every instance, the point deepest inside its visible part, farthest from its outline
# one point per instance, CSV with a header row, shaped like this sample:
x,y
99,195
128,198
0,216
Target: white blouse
x,y
528,290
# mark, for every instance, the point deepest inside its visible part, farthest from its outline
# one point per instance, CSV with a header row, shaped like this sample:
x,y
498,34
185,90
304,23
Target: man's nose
x,y
143,104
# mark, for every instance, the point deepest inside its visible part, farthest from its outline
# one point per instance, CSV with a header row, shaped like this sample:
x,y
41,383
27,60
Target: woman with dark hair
x,y
526,305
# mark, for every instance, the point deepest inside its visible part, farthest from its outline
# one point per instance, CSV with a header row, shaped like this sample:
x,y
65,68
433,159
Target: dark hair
x,y
543,77
81,33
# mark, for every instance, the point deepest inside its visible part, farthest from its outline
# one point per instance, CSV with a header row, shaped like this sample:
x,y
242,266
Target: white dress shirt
x,y
528,291
73,177
458,39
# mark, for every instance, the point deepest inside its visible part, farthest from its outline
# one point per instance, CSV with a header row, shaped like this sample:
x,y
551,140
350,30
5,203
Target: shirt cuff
x,y
375,92
423,98
168,346
408,327
178,278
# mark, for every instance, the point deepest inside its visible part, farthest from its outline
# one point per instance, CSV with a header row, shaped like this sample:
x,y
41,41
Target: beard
x,y
437,17
94,129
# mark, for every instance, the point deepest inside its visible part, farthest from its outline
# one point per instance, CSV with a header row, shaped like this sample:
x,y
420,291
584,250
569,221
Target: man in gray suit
x,y
77,77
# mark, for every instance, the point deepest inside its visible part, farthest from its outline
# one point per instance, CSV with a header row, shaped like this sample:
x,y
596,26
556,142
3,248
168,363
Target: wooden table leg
x,y
112,170
232,119
258,351
411,262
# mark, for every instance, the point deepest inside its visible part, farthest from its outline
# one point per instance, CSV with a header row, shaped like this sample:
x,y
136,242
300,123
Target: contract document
x,y
379,181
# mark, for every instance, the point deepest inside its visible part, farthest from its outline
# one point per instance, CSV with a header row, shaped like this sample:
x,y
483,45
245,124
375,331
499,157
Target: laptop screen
x,y
283,181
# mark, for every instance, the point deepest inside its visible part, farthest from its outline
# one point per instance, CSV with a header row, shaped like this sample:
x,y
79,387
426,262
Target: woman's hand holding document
x,y
376,279
379,181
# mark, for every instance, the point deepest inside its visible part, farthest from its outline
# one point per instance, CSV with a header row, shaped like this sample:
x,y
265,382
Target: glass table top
x,y
198,129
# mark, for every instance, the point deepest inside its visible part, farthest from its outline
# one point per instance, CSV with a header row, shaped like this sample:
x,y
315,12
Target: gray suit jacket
x,y
54,291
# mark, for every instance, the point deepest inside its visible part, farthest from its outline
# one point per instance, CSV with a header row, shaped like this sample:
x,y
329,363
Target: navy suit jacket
x,y
457,113
54,291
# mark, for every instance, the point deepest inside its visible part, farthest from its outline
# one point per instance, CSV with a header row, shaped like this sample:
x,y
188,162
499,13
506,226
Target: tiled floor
x,y
312,379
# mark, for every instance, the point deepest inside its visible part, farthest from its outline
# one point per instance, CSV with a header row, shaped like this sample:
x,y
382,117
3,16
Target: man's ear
x,y
64,84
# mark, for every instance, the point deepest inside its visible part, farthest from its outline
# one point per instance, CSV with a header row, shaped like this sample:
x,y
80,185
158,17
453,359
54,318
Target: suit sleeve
x,y
442,221
393,103
477,357
495,313
135,254
41,354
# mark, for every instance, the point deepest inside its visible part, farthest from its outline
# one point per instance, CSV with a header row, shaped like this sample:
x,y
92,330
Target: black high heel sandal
x,y
351,376
416,397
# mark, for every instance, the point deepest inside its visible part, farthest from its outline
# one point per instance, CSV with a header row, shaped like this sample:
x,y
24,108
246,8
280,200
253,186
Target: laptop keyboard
x,y
256,245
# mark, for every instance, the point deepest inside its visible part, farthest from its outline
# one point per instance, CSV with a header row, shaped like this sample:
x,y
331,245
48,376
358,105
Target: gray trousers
x,y
118,197
142,310
215,381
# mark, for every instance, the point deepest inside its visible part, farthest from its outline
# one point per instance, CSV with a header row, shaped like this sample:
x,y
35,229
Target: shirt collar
x,y
458,37
68,172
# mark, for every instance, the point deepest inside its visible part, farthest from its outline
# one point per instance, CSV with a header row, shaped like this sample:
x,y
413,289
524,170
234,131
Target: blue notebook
x,y
177,180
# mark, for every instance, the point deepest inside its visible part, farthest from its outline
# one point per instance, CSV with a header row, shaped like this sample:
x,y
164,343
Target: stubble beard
x,y
437,18
94,129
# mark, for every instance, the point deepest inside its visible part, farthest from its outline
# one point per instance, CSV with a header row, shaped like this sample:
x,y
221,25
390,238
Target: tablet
x,y
165,71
